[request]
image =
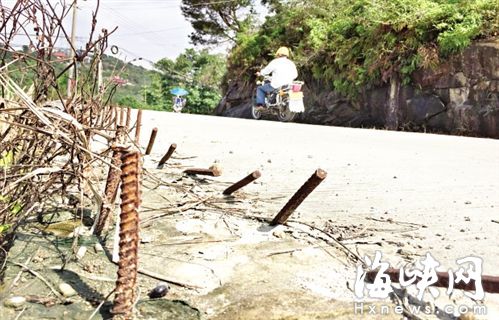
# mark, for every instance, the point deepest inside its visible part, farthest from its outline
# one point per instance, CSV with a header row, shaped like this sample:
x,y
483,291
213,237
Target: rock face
x,y
460,96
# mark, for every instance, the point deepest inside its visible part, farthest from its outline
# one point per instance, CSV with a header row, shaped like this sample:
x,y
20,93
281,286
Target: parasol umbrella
x,y
179,91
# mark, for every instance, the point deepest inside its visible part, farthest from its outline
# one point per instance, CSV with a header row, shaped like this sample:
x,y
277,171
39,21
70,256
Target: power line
x,y
132,24
150,31
143,3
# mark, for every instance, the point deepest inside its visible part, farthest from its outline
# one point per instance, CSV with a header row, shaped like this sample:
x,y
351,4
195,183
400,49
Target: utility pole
x,y
72,71
99,67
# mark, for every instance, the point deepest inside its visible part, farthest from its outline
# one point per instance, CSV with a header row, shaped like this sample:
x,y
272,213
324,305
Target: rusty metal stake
x,y
489,283
129,236
300,195
122,116
112,183
128,118
115,118
167,155
119,115
244,182
214,171
151,140
138,125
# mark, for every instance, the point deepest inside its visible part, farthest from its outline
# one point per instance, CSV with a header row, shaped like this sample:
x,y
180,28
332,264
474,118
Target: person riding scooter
x,y
283,72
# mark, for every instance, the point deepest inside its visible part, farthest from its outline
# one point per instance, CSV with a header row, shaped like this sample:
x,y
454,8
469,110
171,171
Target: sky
x,y
149,29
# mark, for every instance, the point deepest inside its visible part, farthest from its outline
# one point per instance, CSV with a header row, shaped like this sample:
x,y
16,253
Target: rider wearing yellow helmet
x,y
283,72
282,52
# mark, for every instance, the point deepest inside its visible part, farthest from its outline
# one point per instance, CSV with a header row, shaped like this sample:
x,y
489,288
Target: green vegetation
x,y
347,44
138,80
199,72
216,21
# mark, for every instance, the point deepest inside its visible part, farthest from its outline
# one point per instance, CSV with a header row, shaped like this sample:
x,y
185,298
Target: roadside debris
x,y
159,291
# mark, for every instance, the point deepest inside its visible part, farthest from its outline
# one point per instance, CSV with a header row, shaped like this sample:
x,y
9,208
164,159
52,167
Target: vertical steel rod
x,y
115,118
300,195
242,183
129,236
128,118
112,184
151,140
122,116
138,125
168,154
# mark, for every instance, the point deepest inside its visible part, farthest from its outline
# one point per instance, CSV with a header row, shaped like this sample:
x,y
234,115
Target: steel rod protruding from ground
x,y
168,154
242,183
300,195
128,118
138,125
129,236
112,184
214,171
489,283
151,140
122,116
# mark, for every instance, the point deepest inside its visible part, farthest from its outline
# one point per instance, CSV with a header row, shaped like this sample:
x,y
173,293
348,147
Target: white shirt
x,y
283,72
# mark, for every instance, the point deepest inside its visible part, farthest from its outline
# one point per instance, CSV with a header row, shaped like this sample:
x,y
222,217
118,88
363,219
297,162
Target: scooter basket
x,y
296,102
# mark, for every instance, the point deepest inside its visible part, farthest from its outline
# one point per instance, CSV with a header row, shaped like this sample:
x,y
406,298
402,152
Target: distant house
x,y
119,81
59,55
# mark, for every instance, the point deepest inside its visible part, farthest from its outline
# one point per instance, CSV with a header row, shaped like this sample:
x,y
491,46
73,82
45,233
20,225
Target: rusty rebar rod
x,y
138,125
489,283
300,195
115,118
214,171
119,115
154,132
129,236
242,183
122,116
128,118
168,154
112,184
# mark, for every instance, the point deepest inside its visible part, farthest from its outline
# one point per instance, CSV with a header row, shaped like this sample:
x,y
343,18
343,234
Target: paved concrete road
x,y
449,184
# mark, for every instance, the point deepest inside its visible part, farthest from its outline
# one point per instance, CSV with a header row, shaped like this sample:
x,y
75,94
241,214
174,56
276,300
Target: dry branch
x,y
46,152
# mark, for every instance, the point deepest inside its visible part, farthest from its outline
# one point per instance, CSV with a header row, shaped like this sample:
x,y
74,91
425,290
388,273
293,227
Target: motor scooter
x,y
284,102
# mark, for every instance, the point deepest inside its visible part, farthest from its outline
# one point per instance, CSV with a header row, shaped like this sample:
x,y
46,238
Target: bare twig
x,y
148,221
39,276
100,305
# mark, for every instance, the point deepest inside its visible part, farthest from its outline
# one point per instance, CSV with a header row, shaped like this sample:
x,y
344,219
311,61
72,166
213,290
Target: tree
x,y
200,73
350,44
216,21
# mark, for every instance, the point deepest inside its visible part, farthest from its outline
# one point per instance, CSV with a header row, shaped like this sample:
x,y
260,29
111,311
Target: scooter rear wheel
x,y
285,115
